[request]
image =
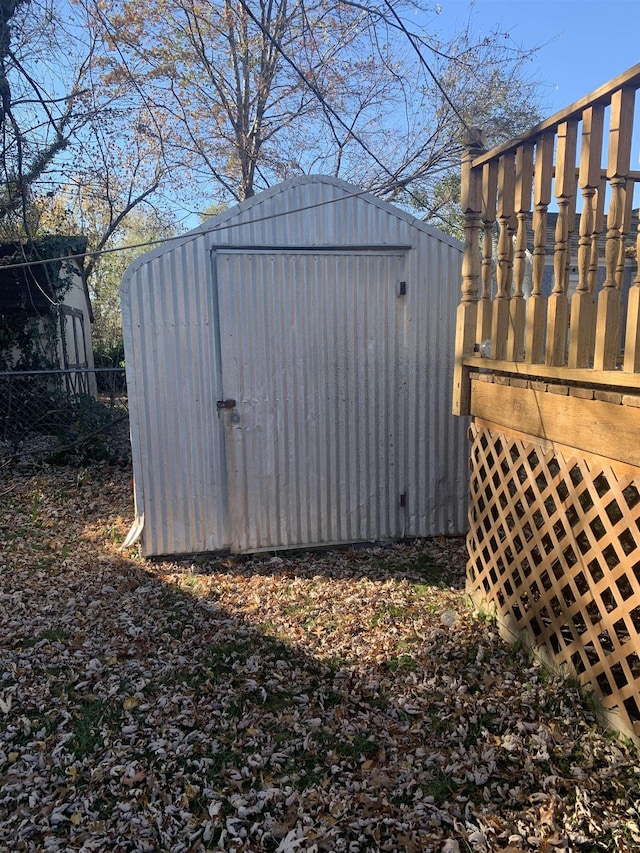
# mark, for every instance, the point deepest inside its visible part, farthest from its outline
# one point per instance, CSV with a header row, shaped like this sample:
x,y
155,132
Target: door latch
x,y
225,404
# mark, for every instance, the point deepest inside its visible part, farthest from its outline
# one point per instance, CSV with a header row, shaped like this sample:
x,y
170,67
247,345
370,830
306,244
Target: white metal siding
x,y
174,375
172,378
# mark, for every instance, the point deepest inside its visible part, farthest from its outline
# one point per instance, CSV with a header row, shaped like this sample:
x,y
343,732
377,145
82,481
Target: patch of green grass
x,y
44,564
437,724
51,634
221,759
57,689
104,806
403,662
422,590
294,609
335,664
36,501
429,570
277,700
358,747
88,722
514,653
41,725
190,678
54,634
389,613
114,534
440,786
564,760
483,722
307,774
329,698
219,659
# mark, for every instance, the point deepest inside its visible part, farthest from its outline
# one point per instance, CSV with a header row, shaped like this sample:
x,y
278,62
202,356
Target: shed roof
x,y
304,199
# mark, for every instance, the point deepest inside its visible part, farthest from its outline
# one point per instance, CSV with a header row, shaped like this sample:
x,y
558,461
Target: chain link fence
x,y
64,416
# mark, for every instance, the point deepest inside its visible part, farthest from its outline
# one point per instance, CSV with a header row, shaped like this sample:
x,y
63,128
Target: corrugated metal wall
x,y
314,350
199,317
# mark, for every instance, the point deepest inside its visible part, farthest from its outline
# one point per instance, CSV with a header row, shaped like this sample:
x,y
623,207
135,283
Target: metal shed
x,y
289,374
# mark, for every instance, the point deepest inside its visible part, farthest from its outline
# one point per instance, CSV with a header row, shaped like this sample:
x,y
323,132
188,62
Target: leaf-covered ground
x,y
339,701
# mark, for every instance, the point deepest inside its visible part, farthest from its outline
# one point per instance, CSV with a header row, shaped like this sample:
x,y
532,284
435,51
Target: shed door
x,y
313,354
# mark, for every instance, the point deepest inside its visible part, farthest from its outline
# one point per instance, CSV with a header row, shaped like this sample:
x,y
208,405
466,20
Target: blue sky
x,y
586,43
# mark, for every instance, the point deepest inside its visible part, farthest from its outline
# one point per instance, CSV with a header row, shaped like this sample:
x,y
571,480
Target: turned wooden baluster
x,y
598,228
632,340
537,303
582,302
467,314
517,307
485,306
506,201
624,230
565,186
512,227
607,346
594,259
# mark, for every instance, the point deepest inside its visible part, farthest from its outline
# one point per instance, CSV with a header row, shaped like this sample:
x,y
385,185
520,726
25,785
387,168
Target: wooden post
x,y
632,339
607,346
517,308
541,197
565,185
466,319
506,202
582,302
489,191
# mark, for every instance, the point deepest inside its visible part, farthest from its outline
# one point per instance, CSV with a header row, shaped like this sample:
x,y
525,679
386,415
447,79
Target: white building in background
x,y
29,285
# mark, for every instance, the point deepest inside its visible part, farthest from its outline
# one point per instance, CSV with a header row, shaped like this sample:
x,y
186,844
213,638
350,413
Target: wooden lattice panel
x,y
554,544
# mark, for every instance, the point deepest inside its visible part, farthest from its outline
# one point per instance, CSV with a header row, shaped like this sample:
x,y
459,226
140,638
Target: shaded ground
x,y
341,701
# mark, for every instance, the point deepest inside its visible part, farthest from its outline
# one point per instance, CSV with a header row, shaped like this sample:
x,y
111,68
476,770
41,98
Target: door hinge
x,y
403,499
402,288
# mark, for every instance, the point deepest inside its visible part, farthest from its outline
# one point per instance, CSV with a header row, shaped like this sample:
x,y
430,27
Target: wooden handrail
x,y
602,95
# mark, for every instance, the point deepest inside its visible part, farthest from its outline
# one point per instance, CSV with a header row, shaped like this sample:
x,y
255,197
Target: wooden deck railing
x,y
515,314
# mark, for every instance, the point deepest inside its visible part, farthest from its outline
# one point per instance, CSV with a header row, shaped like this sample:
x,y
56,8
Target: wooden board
x,y
594,426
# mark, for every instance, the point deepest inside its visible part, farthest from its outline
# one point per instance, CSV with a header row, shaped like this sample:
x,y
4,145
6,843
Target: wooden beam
x,y
593,426
585,376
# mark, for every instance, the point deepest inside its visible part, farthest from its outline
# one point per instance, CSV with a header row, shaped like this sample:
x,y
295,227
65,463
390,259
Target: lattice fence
x,y
555,545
